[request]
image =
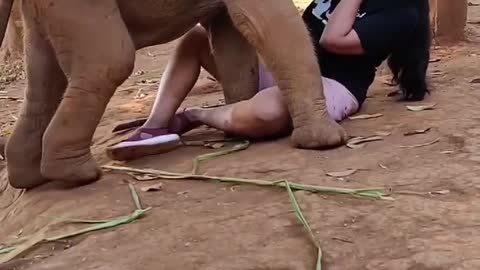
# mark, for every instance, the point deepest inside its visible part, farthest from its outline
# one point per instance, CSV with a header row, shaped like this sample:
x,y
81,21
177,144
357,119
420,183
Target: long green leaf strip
x,y
303,220
37,238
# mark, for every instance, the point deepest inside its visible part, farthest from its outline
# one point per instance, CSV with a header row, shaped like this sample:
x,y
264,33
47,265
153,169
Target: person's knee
x,y
257,123
269,106
270,114
195,41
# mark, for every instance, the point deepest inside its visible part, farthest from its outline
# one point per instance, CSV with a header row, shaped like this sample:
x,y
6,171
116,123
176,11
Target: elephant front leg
x,y
98,55
277,31
236,59
46,85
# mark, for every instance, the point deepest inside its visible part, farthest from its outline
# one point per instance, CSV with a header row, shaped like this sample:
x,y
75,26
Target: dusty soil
x,y
197,225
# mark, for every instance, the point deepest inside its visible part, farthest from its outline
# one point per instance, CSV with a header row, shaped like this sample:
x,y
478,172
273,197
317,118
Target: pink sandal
x,y
153,141
145,142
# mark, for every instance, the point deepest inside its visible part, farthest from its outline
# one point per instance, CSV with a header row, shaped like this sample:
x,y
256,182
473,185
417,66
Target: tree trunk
x,y
449,18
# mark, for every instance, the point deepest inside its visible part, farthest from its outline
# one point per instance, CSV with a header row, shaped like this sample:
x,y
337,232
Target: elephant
x,y
77,53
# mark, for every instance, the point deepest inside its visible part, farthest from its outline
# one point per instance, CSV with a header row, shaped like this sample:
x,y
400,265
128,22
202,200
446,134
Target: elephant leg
x,y
46,85
277,31
236,60
97,54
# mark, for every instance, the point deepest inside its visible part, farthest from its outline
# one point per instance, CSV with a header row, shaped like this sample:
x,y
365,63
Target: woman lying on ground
x,y
351,38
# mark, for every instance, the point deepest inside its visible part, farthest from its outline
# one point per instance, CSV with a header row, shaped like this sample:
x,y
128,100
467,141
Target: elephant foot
x,y
23,154
24,177
319,134
75,171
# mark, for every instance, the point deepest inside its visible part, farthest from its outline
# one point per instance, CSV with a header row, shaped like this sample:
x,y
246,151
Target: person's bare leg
x,y
160,133
181,74
264,115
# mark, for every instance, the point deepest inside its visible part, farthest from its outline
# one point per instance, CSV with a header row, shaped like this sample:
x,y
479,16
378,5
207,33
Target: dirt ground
x,y
198,225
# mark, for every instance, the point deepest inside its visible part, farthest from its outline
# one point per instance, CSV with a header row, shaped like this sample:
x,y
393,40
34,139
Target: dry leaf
x,y
440,192
421,145
421,107
416,132
382,166
147,82
342,173
437,73
365,116
477,80
447,152
140,94
145,177
140,72
153,188
358,142
1,157
214,145
435,60
383,133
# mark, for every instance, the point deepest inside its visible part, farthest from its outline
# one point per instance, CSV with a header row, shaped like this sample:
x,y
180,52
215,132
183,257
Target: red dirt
x,y
196,225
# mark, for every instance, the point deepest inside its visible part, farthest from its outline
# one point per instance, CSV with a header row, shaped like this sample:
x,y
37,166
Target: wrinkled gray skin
x,y
79,51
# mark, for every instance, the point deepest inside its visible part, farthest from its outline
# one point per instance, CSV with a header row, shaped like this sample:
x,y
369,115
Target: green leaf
x,y
5,250
237,147
10,253
135,197
102,226
301,217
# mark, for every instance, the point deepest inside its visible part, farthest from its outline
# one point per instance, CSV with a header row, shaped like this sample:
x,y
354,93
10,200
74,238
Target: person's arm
x,y
339,36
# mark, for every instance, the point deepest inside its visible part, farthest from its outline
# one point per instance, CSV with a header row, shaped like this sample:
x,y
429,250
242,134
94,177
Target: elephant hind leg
x,y
236,59
98,54
46,85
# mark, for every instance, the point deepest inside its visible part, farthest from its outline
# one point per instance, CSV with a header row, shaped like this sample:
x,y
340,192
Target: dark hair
x,y
409,64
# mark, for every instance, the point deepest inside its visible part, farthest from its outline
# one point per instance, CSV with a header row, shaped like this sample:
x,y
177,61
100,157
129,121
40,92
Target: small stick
x,y
421,145
130,125
238,147
10,98
342,240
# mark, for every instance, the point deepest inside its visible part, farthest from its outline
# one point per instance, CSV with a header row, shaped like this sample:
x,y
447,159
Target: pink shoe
x,y
145,142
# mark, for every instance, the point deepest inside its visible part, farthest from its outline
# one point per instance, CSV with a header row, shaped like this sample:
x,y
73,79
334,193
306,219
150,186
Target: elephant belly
x,y
153,22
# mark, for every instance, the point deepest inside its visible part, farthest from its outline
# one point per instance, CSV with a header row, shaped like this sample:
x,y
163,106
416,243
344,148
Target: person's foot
x,y
183,122
144,142
152,141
